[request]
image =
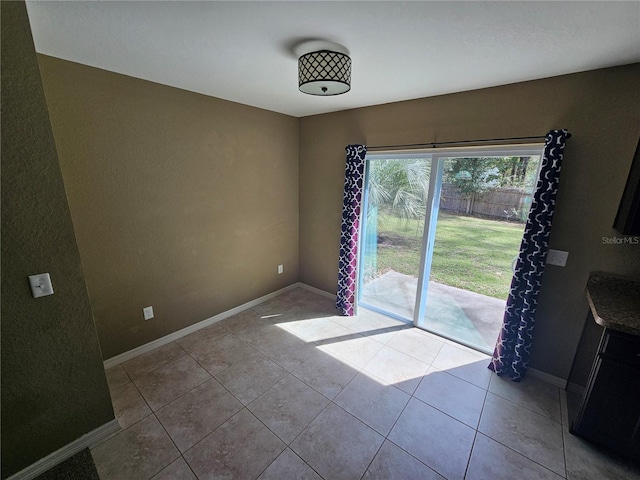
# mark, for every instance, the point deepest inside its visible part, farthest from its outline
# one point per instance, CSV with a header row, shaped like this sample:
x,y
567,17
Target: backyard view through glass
x,y
460,231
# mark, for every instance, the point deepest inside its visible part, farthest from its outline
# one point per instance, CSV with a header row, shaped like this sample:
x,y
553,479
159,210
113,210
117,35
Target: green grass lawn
x,y
471,253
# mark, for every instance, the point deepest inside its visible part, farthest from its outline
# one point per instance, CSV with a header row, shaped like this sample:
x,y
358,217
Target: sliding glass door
x,y
439,234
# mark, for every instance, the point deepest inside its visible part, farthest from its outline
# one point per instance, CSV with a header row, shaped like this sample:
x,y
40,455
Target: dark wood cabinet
x,y
609,413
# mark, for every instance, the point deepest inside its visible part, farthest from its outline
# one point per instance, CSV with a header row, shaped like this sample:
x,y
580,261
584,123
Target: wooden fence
x,y
503,203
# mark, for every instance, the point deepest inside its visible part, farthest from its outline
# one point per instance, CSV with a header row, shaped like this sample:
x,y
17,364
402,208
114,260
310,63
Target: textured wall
x,y
180,201
600,108
53,383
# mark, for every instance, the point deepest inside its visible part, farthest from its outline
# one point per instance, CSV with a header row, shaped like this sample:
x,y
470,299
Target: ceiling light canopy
x,y
324,69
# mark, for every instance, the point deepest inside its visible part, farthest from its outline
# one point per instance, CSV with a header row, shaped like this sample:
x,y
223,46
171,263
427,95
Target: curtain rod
x,y
460,142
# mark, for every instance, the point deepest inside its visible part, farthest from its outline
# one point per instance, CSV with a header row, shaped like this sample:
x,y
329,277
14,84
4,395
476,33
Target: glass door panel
x,y
481,212
392,235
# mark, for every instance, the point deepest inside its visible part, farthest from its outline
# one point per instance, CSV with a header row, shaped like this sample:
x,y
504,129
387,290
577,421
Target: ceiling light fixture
x,y
324,69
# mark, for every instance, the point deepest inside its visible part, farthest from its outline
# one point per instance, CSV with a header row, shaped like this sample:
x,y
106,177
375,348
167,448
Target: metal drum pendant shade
x,y
324,73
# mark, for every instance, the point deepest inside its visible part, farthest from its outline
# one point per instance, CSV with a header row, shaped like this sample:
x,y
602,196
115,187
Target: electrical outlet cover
x,y
557,257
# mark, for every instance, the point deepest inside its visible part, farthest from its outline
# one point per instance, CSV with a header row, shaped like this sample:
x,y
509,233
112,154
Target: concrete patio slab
x,y
469,317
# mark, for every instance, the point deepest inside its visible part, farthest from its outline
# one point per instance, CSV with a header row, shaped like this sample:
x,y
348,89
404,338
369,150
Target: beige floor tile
x,y
299,314
264,333
464,364
287,301
452,395
178,470
397,368
289,466
288,407
305,309
393,463
373,325
325,374
347,321
357,350
289,352
116,377
277,314
492,460
128,405
222,353
150,361
203,337
277,334
531,393
241,448
167,383
317,329
417,343
527,442
528,433
136,453
298,300
194,415
586,461
322,303
437,440
245,320
323,298
373,402
337,445
249,379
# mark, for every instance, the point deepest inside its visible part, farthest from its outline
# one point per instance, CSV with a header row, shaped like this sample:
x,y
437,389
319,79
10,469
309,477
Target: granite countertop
x,y
614,302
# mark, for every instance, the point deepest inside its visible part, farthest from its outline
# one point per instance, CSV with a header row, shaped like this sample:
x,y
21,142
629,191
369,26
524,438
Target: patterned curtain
x,y
351,206
511,354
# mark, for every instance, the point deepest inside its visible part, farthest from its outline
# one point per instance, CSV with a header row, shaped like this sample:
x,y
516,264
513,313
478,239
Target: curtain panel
x,y
350,228
513,347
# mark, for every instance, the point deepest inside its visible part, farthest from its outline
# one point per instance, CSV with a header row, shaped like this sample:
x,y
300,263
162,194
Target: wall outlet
x,y
148,313
557,257
280,269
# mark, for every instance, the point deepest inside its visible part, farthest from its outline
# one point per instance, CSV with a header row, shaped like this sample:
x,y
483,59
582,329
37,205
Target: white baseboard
x,y
53,459
332,296
545,377
123,357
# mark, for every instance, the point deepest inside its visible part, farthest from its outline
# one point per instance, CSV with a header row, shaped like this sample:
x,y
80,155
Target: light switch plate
x,y
148,313
40,285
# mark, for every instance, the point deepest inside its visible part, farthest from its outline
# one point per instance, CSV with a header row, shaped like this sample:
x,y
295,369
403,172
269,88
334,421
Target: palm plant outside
x,y
399,187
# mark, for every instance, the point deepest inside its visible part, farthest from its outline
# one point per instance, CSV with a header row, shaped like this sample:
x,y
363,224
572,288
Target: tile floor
x,y
290,390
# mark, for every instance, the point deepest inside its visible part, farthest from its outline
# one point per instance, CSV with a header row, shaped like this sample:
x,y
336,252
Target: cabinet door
x,y
610,413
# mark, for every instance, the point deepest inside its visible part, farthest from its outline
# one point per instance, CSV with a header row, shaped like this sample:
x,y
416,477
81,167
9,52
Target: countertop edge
x,y
614,308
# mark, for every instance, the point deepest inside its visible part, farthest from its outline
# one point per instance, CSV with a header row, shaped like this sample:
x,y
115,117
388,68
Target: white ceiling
x,y
243,51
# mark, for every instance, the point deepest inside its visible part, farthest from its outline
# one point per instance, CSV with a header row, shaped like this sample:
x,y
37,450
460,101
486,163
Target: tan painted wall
x,y
600,108
54,388
188,203
180,201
